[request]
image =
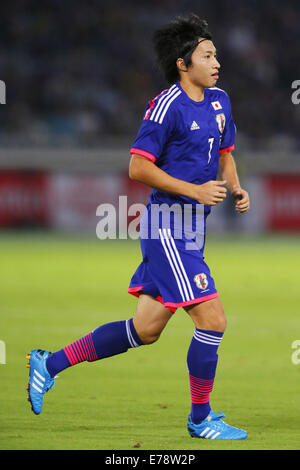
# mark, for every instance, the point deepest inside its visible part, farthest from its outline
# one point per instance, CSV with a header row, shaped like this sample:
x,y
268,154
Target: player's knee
x,y
149,337
221,319
218,321
209,316
221,323
148,334
150,326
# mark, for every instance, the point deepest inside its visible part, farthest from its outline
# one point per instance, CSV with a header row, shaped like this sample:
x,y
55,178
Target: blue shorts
x,y
171,273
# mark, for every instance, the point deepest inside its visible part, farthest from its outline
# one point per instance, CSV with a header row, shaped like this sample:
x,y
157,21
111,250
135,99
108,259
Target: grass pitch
x,y
55,290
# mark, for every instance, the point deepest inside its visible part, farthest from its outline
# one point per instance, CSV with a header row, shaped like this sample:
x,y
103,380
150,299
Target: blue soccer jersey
x,y
184,138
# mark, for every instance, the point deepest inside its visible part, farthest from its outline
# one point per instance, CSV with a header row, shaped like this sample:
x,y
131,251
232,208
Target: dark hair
x,y
178,39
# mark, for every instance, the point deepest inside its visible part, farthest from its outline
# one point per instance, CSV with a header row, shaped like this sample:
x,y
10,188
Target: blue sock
x,y
106,341
202,361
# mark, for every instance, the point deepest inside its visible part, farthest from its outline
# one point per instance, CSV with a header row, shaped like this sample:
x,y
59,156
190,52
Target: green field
x,y
55,290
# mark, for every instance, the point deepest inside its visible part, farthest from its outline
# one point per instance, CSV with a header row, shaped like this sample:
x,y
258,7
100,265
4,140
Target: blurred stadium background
x,y
78,75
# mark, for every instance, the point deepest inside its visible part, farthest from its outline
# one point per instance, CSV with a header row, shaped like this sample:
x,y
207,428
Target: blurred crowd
x,y
78,71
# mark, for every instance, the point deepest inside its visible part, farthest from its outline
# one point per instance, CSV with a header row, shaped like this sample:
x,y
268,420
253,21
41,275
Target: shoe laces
x,y
218,416
50,386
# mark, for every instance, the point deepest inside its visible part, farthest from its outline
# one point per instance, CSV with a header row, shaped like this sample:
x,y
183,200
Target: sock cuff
x,y
208,336
132,335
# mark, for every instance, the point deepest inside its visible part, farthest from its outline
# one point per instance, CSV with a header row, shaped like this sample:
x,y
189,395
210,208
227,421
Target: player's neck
x,y
196,93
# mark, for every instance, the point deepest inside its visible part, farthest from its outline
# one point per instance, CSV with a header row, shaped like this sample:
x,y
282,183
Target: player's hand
x,y
242,200
211,193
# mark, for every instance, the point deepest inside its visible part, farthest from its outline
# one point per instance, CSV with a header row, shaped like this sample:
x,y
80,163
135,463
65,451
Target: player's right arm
x,y
145,171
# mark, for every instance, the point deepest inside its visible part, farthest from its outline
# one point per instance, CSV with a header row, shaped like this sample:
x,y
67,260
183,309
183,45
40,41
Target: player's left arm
x,y
229,173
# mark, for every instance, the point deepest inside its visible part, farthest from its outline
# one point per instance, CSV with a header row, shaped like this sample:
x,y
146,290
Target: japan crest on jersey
x,y
221,120
201,280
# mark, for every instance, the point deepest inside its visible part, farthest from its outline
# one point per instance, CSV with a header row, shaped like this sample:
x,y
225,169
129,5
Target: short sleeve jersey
x,y
185,138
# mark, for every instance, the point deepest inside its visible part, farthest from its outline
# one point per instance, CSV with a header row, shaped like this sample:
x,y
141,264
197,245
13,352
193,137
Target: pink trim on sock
x,y
68,353
81,350
200,389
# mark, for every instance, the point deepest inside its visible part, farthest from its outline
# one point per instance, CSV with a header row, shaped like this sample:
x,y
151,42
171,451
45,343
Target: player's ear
x,y
181,65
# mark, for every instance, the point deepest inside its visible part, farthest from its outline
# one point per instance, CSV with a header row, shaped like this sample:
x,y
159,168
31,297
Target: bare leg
x,y
150,319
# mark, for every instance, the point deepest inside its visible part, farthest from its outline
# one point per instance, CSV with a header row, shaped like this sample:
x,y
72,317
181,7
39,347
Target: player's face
x,y
204,70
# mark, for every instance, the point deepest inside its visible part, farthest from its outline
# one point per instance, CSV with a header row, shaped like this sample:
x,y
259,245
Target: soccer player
x,y
186,136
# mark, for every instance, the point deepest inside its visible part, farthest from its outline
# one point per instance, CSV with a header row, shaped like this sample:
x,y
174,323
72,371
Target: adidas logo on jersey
x,y
194,126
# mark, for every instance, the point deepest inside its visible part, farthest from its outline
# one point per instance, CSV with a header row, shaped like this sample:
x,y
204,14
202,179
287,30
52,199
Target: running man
x,y
186,137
